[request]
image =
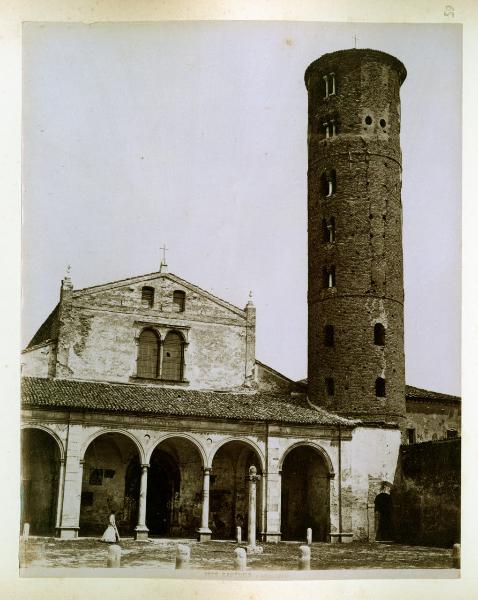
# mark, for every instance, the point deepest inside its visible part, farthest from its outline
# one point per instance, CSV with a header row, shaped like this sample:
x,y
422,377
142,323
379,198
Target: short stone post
x,y
114,556
26,530
238,535
309,536
304,558
183,554
456,556
240,559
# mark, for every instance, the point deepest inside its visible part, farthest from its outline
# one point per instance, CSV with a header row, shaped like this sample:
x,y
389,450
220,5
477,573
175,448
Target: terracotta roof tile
x,y
151,399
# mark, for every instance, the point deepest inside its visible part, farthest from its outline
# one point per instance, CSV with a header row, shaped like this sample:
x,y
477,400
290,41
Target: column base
x,y
343,537
141,532
204,534
272,537
69,533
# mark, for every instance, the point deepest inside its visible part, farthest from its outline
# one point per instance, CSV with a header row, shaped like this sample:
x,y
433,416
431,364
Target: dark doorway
x,y
163,494
131,494
383,518
39,483
305,495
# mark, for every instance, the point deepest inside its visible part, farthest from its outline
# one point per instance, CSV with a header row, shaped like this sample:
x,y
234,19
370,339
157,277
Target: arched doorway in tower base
x,y
305,495
111,478
174,498
229,490
40,480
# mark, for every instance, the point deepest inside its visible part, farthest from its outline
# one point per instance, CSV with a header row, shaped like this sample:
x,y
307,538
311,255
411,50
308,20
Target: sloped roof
x,y
414,393
158,275
154,400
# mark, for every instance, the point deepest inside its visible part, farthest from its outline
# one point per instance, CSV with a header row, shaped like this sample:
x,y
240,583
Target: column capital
x,y
145,466
207,470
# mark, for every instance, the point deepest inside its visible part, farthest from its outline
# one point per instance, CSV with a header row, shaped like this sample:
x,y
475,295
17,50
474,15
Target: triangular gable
x,y
150,277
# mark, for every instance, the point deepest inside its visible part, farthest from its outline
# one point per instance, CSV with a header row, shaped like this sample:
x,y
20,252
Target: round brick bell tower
x,y
356,363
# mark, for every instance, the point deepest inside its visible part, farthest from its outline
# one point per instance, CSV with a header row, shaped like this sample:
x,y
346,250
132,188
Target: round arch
x,y
181,435
61,447
254,446
321,451
93,436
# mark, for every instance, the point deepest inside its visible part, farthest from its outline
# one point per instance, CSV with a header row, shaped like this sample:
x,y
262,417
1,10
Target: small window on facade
x,y
411,436
451,433
329,335
380,387
330,386
179,300
148,354
328,85
379,334
147,296
328,230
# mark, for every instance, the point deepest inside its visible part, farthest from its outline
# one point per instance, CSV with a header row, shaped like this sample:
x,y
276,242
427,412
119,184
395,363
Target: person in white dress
x,y
111,534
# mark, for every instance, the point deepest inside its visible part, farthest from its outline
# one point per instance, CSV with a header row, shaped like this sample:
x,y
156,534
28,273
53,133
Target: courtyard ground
x,y
42,554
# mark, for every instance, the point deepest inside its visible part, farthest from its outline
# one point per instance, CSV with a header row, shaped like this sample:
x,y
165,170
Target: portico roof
x,y
170,401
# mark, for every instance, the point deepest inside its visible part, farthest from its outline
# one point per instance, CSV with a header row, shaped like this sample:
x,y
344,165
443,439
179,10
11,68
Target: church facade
x,y
144,396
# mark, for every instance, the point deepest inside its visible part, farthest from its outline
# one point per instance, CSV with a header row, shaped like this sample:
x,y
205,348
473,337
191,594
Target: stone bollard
x,y
304,558
309,536
238,535
456,556
26,530
114,556
183,554
240,559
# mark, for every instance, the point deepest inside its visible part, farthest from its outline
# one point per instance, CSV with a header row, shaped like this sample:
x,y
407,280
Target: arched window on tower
x,y
328,85
328,276
328,230
330,386
147,296
148,354
328,182
380,387
173,357
379,334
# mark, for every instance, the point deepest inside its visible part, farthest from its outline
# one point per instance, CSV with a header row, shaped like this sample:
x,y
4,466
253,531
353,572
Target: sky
x,y
195,134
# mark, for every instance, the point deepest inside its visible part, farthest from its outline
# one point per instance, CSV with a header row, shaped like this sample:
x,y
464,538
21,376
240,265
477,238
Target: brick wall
x,y
426,494
367,250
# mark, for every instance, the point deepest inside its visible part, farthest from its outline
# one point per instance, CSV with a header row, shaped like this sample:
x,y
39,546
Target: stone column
x,y
141,529
70,518
264,507
59,501
204,533
253,479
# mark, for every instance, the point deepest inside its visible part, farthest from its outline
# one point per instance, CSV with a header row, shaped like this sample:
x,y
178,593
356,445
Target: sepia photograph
x,y
241,299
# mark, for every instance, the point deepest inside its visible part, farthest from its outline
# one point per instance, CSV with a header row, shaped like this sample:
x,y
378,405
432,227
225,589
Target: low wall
x,y
426,494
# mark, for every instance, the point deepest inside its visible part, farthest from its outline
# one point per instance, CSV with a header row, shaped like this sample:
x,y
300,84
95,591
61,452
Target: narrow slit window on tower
x,y
379,334
179,300
330,386
380,387
329,335
147,296
411,435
